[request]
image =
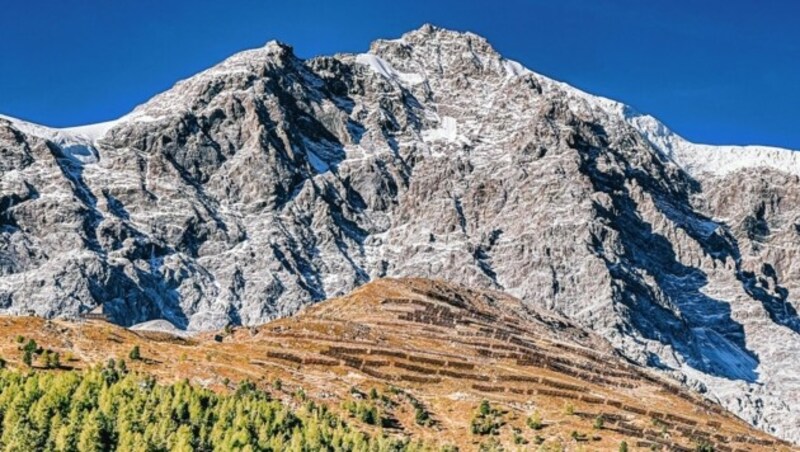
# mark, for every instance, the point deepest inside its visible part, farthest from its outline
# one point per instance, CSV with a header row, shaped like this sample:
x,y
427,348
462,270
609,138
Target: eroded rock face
x,y
268,182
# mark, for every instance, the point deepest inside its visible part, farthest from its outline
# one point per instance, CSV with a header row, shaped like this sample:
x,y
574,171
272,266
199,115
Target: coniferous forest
x,y
109,408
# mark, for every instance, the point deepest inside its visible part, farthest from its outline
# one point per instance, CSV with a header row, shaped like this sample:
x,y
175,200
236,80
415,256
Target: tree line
x,y
108,408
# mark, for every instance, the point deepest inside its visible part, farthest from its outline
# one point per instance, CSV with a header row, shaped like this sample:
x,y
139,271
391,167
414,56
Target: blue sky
x,y
714,71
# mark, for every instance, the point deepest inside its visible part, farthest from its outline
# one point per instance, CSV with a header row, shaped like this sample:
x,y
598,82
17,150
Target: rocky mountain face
x,y
268,182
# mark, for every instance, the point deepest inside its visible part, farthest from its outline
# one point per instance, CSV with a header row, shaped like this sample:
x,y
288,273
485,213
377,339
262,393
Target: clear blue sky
x,y
715,71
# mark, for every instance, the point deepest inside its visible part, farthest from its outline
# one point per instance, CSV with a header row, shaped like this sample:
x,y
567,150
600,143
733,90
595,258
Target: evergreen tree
x,y
23,437
90,439
183,440
27,358
484,408
30,346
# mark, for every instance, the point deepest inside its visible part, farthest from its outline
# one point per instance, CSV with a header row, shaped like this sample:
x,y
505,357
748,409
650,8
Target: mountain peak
x,y
434,32
278,48
430,36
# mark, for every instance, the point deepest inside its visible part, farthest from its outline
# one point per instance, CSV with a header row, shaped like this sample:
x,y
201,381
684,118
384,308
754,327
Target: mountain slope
x,y
431,352
268,182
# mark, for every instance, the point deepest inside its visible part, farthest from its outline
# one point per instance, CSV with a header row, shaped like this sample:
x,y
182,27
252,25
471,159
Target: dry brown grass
x,y
447,347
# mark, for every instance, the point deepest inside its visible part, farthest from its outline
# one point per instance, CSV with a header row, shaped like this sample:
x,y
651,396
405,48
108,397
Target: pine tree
x,y
183,440
27,358
31,346
23,437
135,354
90,439
484,408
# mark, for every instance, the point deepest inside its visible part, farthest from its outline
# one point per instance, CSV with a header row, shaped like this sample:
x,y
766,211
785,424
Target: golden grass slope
x,y
423,343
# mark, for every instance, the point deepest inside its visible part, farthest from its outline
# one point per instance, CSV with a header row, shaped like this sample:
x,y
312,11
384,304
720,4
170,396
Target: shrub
x,y
369,415
422,417
366,412
484,408
245,387
51,359
577,436
535,421
27,358
490,446
623,447
31,347
569,409
704,446
599,422
135,353
486,420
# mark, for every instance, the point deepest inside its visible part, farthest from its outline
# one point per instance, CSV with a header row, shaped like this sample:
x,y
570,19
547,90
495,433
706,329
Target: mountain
x,y
268,183
423,355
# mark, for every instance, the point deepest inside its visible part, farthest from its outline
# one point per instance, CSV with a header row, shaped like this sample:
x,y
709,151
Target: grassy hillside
x,y
409,360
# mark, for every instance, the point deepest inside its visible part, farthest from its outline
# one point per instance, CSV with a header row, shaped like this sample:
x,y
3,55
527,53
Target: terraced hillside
x,y
417,358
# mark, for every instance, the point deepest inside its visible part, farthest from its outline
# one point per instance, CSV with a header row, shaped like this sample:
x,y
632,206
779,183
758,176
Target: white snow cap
x,y
77,143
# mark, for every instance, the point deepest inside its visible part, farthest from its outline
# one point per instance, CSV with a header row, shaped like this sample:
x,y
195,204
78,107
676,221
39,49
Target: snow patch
x,y
717,160
447,131
514,68
93,132
383,68
77,143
